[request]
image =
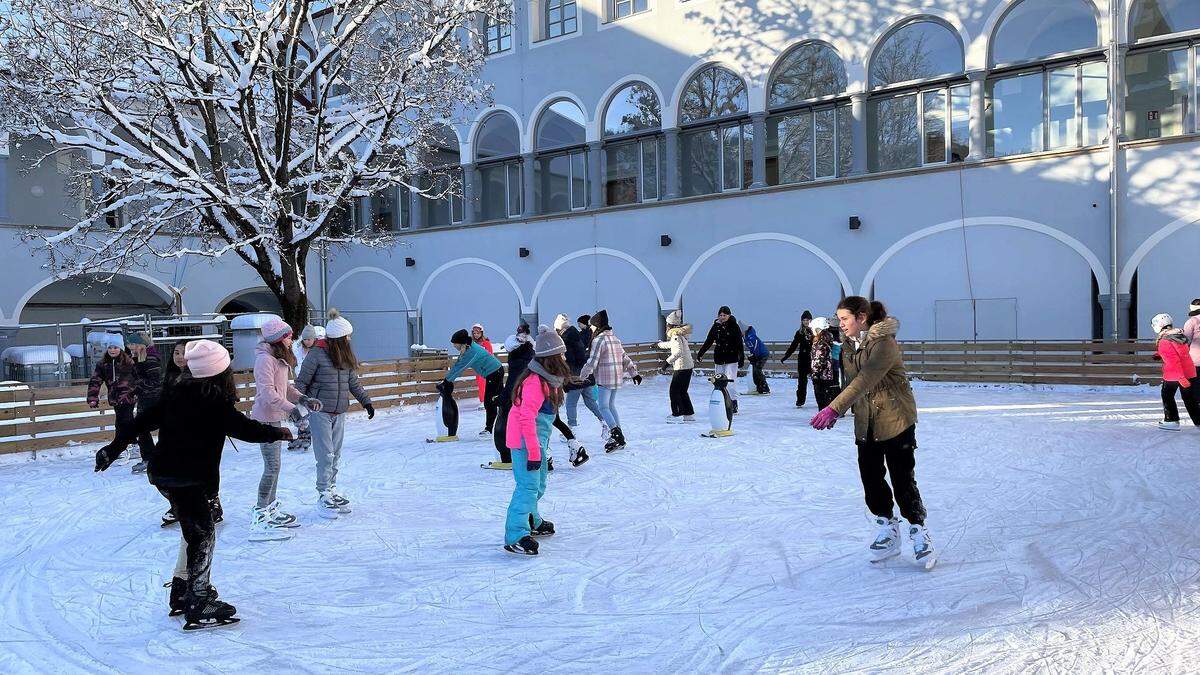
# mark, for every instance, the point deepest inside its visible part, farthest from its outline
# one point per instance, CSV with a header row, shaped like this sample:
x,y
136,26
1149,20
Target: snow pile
x,y
1066,522
75,350
32,355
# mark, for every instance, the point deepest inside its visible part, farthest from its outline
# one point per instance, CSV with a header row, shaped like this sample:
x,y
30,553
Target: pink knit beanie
x,y
275,330
205,358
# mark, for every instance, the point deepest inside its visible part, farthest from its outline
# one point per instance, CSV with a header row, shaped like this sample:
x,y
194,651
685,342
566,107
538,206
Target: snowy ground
x,y
1068,526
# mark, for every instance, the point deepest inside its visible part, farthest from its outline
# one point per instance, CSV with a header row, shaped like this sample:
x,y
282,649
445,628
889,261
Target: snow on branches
x,y
245,126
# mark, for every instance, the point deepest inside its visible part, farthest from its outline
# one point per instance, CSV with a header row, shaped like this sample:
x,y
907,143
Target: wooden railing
x,y
37,418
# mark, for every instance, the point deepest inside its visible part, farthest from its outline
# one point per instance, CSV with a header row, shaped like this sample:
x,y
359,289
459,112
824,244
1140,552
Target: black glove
x,y
637,379
106,456
591,380
370,411
533,465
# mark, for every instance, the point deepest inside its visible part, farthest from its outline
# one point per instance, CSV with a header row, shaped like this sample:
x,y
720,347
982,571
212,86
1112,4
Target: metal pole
x,y
1114,148
324,280
58,355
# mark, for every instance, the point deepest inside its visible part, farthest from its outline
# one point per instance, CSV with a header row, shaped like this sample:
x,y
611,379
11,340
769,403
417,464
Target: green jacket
x,y
877,388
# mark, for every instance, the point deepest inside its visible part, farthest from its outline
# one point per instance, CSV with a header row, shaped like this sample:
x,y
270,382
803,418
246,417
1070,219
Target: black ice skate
x,y
546,529
205,611
526,546
168,518
616,441
178,599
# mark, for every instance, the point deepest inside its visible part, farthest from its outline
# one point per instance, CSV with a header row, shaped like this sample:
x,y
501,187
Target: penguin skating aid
x,y
445,416
720,409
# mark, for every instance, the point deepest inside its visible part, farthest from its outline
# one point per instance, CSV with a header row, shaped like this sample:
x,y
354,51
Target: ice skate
x,y
924,554
139,468
214,506
675,419
526,546
280,517
546,529
485,432
605,432
340,499
178,598
887,541
1169,426
327,506
262,529
687,419
205,611
168,518
578,454
616,441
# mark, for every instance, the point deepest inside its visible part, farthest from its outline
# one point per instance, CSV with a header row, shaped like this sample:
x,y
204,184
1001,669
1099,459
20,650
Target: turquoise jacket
x,y
475,358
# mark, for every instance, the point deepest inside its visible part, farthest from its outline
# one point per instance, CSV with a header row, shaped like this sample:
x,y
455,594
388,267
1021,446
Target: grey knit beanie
x,y
548,342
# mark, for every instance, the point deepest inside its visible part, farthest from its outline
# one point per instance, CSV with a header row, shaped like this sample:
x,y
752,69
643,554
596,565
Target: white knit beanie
x,y
338,326
561,322
675,318
205,358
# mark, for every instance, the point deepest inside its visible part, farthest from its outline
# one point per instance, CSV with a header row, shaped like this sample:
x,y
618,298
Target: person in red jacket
x,y
480,339
1179,373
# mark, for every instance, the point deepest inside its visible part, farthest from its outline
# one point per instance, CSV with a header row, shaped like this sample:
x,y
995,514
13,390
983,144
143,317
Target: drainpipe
x,y
1115,87
324,280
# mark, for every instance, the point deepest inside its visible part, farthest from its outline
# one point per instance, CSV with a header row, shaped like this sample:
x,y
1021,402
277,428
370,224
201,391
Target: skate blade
x,y
928,562
442,439
175,612
271,536
885,558
327,514
212,623
173,522
517,551
581,461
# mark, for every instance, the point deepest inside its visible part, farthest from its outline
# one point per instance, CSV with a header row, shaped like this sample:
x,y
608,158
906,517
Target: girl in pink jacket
x,y
275,400
1179,373
537,396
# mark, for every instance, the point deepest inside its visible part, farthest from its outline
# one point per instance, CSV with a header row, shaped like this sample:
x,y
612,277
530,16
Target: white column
x,y
858,138
978,119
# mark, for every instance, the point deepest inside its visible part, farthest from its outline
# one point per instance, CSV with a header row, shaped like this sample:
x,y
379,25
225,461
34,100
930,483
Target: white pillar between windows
x,y
470,189
671,163
858,137
978,118
759,146
528,208
416,215
595,174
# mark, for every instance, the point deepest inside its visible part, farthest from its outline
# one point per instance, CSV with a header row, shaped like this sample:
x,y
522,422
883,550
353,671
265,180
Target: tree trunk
x,y
294,298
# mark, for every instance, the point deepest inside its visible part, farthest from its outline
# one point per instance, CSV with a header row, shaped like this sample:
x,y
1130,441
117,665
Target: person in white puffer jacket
x,y
681,363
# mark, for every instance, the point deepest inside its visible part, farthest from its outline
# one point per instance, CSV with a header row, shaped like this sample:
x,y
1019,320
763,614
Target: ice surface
x,y
1067,524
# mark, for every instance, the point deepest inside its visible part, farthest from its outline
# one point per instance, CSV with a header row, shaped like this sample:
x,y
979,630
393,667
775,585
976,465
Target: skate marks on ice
x,y
1067,539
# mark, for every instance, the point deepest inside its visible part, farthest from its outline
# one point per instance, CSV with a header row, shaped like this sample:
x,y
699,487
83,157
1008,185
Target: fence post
x,y
33,416
58,355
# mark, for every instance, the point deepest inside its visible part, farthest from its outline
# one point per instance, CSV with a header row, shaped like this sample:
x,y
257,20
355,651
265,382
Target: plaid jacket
x,y
608,361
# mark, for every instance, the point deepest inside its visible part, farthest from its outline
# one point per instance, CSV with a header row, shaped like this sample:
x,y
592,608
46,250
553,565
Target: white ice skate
x,y
924,554
604,432
674,420
687,418
262,529
1169,426
327,506
887,541
280,518
578,455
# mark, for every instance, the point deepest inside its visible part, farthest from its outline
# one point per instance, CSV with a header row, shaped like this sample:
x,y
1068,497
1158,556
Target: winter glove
x,y
824,419
285,434
106,456
93,403
637,379
370,411
311,403
533,465
1185,383
299,412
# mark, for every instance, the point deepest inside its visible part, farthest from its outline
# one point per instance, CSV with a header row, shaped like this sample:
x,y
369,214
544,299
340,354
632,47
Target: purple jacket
x,y
119,376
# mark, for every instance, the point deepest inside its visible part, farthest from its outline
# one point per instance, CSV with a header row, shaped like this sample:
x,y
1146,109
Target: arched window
x,y
442,204
560,169
917,50
1035,29
715,147
1152,18
1158,80
633,145
1057,103
808,136
918,123
498,154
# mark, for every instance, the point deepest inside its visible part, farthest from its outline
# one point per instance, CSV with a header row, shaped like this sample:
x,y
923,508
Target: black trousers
x,y
500,435
1191,401
802,369
192,507
825,391
125,415
563,428
760,378
681,402
898,455
491,397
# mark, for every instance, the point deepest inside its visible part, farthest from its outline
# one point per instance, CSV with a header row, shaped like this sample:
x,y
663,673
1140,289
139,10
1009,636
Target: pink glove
x,y
824,419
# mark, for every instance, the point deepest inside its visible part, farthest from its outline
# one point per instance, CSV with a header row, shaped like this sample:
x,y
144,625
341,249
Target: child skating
x,y
609,365
1179,373
823,363
682,366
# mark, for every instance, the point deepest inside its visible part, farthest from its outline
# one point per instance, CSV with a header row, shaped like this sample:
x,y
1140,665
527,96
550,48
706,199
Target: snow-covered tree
x,y
236,127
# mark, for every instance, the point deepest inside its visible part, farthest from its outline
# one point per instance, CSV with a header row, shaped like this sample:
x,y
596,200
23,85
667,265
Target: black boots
x,y
616,440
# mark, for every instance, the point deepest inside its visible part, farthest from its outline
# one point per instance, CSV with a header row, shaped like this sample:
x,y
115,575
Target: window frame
x,y
611,9
570,152
922,81
945,86
1191,120
1067,55
1167,38
720,125
1045,67
489,23
546,22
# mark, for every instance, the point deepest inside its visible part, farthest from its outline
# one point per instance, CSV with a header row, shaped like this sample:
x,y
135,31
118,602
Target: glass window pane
x,y
551,188
1062,87
560,125
934,125
621,174
712,92
579,184
639,5
634,108
1037,28
795,140
493,187
700,158
731,158
516,202
772,150
1014,115
809,71
897,142
1156,85
845,140
1094,116
1163,17
569,24
649,169
917,51
960,122
498,137
824,121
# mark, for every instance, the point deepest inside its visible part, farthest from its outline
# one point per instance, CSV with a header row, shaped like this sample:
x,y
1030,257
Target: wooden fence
x,y
37,418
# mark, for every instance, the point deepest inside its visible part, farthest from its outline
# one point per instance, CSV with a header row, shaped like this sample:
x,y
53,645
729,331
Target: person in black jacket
x,y
194,416
802,346
578,343
147,381
729,355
